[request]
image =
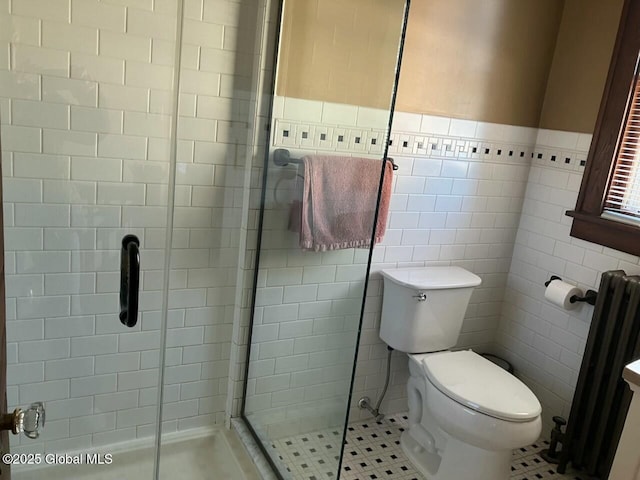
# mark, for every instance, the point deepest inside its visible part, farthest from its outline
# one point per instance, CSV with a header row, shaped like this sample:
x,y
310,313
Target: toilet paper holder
x,y
589,297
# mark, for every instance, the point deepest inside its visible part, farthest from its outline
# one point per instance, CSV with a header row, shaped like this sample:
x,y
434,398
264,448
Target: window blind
x,y
623,194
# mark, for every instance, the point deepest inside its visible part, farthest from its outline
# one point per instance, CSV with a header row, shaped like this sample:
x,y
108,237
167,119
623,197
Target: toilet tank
x,y
423,308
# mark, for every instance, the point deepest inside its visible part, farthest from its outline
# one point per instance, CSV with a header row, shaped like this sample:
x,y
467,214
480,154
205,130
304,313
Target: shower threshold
x,y
188,457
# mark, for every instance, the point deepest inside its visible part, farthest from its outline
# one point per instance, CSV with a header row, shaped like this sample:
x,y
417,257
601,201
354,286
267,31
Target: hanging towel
x,y
339,197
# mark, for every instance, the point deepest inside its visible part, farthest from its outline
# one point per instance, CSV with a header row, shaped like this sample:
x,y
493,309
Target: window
x,y
623,193
608,207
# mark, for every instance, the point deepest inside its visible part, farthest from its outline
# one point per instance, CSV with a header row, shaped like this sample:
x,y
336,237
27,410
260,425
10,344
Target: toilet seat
x,y
475,382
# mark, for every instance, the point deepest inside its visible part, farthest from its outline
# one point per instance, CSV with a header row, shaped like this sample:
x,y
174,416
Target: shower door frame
x,y
5,469
263,193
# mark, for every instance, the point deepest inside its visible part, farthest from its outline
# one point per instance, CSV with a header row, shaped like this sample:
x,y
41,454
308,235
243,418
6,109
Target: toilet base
x,y
426,463
460,461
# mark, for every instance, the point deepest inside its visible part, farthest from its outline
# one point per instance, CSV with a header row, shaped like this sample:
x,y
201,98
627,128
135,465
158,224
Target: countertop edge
x,y
631,373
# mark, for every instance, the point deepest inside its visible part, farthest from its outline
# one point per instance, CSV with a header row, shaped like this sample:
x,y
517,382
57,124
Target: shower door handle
x,y
129,280
28,421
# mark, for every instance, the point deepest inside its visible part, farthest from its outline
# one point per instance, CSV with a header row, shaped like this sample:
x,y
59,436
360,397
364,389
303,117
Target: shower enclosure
x,y
125,117
154,121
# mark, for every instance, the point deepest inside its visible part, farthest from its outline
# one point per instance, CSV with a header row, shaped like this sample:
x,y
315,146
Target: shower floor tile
x,y
373,452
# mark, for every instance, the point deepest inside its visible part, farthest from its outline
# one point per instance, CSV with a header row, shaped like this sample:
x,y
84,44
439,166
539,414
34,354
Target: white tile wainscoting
x,y
85,105
466,193
456,199
545,343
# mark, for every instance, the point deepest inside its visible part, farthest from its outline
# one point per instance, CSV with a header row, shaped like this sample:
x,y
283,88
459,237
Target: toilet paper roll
x,y
559,293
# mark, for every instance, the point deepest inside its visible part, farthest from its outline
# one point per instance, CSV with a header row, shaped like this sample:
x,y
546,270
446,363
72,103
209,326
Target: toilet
x,y
466,414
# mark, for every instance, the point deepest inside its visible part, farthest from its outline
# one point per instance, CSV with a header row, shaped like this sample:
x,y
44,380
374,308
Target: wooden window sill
x,y
612,234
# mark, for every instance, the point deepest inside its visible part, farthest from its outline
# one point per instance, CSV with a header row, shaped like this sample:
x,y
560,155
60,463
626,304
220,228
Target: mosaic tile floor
x,y
373,452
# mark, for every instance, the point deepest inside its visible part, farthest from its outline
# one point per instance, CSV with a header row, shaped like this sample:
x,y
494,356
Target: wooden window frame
x,y
588,223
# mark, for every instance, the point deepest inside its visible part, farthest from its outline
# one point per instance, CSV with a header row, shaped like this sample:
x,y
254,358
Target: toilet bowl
x,y
466,414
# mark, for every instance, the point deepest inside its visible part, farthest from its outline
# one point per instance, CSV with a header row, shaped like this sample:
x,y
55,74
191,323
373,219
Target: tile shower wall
x,y
457,199
546,343
85,103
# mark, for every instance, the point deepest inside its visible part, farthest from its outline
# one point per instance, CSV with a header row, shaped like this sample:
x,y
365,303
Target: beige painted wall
x,y
340,51
482,60
524,62
580,65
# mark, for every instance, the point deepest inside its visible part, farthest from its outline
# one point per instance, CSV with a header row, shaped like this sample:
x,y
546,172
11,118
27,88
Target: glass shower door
x,y
86,103
335,81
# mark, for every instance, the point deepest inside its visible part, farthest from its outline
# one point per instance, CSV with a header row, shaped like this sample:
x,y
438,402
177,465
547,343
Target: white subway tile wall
x,y
546,343
456,200
85,107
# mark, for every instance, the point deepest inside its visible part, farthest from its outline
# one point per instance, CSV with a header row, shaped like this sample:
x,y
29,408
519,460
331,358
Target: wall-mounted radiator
x,y
602,398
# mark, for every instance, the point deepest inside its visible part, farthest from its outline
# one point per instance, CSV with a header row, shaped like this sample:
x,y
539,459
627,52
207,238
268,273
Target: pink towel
x,y
338,202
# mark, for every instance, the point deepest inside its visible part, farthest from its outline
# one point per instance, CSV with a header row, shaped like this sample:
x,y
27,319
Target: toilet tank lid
x,y
481,385
432,278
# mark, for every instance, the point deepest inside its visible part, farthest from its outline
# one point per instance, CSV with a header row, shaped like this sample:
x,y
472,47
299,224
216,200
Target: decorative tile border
x,y
571,160
319,137
328,138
